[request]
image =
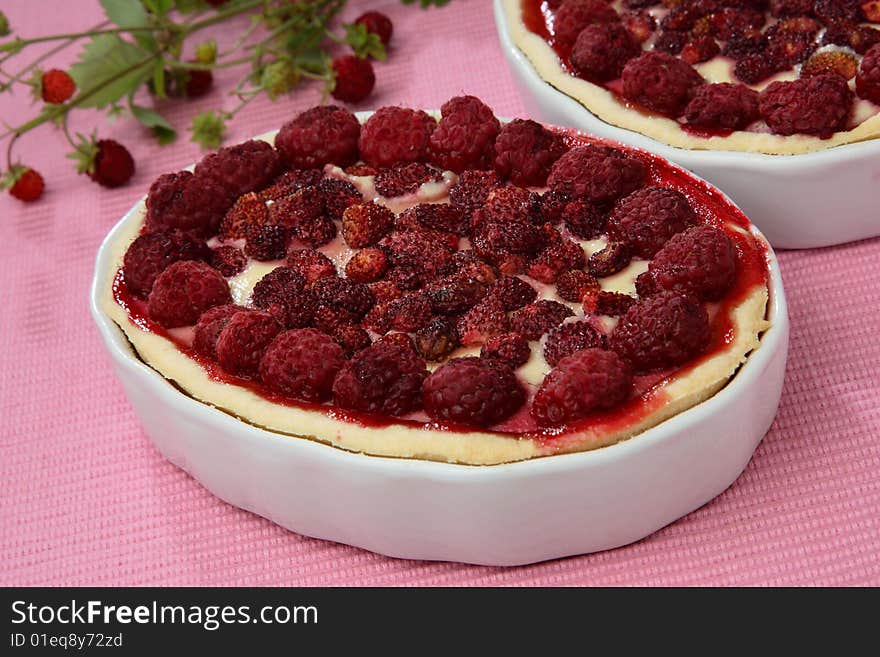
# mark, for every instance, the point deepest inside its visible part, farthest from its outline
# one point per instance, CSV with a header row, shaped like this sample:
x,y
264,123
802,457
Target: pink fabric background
x,y
86,500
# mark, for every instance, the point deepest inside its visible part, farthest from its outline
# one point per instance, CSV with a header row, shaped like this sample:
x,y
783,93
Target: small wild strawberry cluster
x,y
141,46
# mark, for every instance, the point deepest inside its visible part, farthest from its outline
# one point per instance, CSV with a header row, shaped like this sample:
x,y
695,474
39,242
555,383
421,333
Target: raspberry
x,y
384,378
302,364
320,135
585,382
701,49
612,304
409,313
484,321
574,15
646,219
354,78
599,173
356,298
437,340
303,205
817,105
472,188
640,25
241,343
435,216
868,78
660,82
512,349
281,292
608,261
113,165
151,253
671,42
404,179
513,292
186,202
601,51
557,259
367,266
228,260
267,243
377,23
583,219
700,261
290,181
185,290
310,264
209,326
723,106
364,224
28,185
572,285
395,135
472,391
465,136
665,330
338,196
418,250
247,214
56,86
538,318
315,232
570,338
241,168
842,63
351,338
525,151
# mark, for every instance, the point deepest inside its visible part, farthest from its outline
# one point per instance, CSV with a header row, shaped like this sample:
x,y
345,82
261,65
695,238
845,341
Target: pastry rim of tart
x,y
394,437
607,107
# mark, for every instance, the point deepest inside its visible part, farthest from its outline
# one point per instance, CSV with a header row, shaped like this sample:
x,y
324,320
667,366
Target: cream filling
x,y
607,107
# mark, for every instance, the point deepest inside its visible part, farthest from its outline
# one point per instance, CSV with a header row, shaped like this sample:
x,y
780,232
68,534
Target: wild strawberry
x,y
570,338
266,243
610,260
310,264
513,292
573,284
404,179
436,340
641,25
364,224
367,265
111,164
443,217
356,298
538,318
472,188
482,322
228,260
556,259
701,49
512,349
612,304
351,338
24,183
315,232
56,86
247,214
409,313
583,219
842,63
377,23
291,181
354,78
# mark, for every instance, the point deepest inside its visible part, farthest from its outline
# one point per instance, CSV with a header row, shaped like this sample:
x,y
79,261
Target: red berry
x,y
57,86
868,78
113,164
472,189
443,217
585,382
315,232
404,179
377,23
456,293
321,135
473,391
860,38
209,326
409,313
512,349
660,82
574,15
610,260
842,63
781,8
267,243
281,292
302,364
242,168
494,239
28,186
665,330
817,105
241,343
151,253
338,196
291,181
646,219
612,304
384,378
755,68
553,204
640,24
436,340
351,338
420,251
556,259
485,320
364,224
513,292
570,338
583,219
600,173
700,261
396,134
525,151
722,106
186,202
184,291
701,49
354,78
601,51
305,204
228,260
342,293
670,42
538,318
573,285
247,214
385,291
465,136
367,265
508,205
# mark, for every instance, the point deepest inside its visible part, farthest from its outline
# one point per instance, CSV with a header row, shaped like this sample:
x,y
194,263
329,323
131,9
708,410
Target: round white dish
x,y
509,514
798,201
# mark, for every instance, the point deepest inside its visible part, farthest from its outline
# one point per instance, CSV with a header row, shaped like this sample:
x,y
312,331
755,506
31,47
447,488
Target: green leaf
x,y
208,129
163,130
104,58
130,13
364,43
187,6
314,60
158,7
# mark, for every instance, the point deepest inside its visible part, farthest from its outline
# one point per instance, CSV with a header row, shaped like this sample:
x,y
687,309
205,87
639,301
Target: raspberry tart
x,y
442,287
777,77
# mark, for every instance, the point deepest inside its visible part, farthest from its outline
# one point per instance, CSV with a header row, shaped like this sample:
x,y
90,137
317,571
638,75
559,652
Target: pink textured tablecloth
x,y
86,500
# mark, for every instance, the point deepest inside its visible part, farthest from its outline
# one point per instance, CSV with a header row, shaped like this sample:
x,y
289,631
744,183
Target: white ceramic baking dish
x,y
508,514
798,201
